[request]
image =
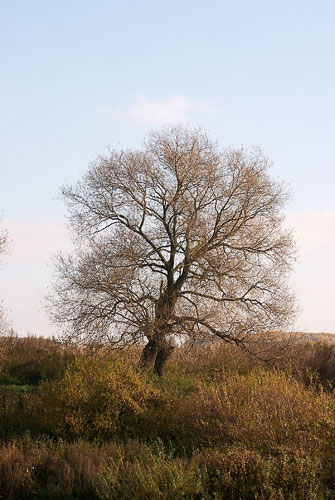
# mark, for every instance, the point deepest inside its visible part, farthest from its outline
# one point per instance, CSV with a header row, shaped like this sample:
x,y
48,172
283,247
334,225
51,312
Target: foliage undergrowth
x,y
220,424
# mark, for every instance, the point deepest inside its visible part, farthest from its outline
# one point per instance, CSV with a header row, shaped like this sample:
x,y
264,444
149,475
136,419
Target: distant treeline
x,y
318,337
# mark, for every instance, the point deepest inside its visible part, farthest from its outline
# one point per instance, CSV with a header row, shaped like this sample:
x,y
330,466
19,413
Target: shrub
x,y
44,470
264,411
30,360
94,398
240,474
320,360
14,416
15,471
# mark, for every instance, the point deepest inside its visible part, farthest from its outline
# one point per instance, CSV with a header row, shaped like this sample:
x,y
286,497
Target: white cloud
x,y
176,109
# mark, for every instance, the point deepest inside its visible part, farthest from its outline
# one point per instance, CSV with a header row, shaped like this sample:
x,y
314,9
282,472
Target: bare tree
x,y
174,240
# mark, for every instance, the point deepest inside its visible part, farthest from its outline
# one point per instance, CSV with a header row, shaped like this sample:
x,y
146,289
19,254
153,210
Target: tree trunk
x,y
155,353
163,354
159,348
149,354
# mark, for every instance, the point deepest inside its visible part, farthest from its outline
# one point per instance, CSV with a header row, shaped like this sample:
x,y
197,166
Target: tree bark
x,y
149,354
159,347
155,353
163,354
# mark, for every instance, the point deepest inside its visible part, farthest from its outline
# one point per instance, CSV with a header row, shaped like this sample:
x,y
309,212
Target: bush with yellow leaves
x,y
94,398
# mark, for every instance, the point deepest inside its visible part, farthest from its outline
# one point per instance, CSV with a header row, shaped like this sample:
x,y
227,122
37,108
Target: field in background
x,y
221,424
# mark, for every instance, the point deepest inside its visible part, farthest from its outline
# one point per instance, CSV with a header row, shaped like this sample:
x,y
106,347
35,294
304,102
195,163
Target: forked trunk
x,y
156,354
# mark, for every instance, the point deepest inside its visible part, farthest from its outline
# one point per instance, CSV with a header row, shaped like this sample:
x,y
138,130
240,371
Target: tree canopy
x,y
175,240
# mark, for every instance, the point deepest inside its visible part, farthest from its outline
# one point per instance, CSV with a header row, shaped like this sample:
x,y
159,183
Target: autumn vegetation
x,y
220,424
170,379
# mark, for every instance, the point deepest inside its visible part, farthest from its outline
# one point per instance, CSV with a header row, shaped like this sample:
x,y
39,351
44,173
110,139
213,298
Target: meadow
x,y
220,424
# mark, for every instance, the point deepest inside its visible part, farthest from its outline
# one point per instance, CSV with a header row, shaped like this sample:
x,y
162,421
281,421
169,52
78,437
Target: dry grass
x,y
263,411
137,471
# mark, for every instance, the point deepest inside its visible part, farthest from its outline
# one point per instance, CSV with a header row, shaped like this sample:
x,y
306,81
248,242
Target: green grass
x,y
15,389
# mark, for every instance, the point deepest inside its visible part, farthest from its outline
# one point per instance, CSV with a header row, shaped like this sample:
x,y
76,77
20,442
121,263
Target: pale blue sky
x,y
78,75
